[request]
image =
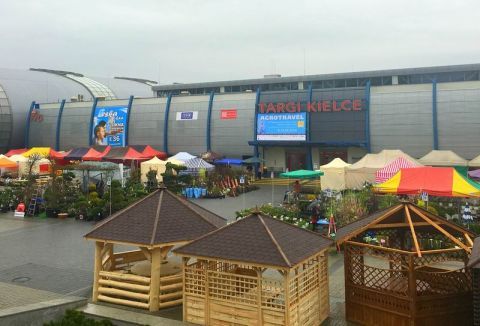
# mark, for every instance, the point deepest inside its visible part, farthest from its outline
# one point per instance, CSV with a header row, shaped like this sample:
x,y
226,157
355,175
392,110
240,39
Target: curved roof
x,y
123,88
22,87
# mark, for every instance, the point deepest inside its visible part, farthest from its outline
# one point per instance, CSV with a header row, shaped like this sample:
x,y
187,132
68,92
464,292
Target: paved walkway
x,y
45,258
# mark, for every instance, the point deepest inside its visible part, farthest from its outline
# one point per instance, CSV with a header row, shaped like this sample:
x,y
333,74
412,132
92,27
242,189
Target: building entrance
x,y
327,155
296,160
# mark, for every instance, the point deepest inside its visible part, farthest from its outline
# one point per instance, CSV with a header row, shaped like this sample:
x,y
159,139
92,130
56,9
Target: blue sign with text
x,y
110,125
282,126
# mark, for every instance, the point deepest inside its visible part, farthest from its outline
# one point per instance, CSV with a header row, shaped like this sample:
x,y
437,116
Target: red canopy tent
x,y
150,152
124,154
18,151
95,155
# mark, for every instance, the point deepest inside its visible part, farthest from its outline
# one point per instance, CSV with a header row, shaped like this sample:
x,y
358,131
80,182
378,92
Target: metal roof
x,y
359,74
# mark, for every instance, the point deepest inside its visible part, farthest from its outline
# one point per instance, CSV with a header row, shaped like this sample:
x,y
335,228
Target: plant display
x,y
77,318
288,214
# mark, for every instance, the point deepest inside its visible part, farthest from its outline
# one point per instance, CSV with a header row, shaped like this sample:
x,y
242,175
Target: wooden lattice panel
x,y
443,282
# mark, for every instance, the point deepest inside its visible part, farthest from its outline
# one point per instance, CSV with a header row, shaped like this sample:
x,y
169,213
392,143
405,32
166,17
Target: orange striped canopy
x,y
6,163
436,181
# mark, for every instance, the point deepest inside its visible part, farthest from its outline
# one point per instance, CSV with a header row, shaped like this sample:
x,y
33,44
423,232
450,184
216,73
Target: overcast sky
x,y
191,41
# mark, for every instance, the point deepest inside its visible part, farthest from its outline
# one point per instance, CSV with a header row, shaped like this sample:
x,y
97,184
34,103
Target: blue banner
x,y
110,125
282,126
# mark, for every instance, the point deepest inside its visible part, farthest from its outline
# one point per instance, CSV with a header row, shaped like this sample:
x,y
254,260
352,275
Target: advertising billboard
x,y
110,125
282,126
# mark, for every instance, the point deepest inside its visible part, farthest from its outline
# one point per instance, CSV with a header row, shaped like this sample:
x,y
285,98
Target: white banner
x,y
281,137
190,115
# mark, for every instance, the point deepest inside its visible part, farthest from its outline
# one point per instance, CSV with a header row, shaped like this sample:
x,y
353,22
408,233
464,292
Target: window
x,y
351,82
328,84
340,83
403,80
387,80
376,81
471,75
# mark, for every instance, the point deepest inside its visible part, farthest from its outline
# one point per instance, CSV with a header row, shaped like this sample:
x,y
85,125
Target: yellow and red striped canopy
x,y
436,181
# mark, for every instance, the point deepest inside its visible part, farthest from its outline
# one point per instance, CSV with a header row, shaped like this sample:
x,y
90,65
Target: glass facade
x,y
97,89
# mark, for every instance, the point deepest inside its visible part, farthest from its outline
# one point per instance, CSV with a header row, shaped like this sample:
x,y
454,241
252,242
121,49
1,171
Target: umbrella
x,y
301,174
436,181
229,161
253,160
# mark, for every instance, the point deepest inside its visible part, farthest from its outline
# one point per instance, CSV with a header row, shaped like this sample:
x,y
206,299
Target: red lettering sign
x,y
227,114
36,116
320,106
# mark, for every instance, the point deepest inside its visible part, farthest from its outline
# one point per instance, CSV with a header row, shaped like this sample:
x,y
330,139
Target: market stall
x,y
195,164
256,271
435,181
364,170
406,266
334,175
443,158
147,278
18,151
391,169
182,156
154,164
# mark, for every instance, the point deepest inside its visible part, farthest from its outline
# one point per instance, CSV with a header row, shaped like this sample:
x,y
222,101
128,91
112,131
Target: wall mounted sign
x,y
109,125
190,115
282,126
227,114
314,106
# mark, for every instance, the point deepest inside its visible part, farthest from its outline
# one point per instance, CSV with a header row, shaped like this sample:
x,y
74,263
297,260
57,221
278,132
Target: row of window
x,y
335,83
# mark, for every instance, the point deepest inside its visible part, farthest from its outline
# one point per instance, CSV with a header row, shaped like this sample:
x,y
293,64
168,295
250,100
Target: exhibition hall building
x,y
289,122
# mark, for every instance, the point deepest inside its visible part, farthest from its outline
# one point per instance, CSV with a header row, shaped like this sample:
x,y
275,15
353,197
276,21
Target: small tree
x,y
152,182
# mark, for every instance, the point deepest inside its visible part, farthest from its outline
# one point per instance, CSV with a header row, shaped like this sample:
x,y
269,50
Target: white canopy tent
x,y
182,156
364,170
153,164
443,158
334,175
475,162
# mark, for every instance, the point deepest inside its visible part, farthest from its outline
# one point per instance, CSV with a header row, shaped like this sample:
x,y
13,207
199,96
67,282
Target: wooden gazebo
x,y
474,264
406,266
145,278
256,271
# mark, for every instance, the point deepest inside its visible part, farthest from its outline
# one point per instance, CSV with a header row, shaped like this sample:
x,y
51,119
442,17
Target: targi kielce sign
x,y
314,106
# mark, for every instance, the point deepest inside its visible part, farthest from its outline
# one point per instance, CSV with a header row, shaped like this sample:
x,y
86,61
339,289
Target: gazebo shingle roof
x,y
162,217
258,239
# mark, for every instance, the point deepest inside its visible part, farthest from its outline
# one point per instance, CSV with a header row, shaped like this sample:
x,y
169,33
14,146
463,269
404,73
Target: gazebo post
x,y
155,278
412,288
286,277
97,269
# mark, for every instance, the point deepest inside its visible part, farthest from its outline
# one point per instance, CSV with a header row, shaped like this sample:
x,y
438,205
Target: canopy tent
x,y
5,163
16,151
123,154
182,156
301,174
473,163
391,169
364,170
149,151
253,160
334,175
443,158
195,164
96,154
229,161
153,164
175,161
98,166
45,152
211,156
436,181
77,154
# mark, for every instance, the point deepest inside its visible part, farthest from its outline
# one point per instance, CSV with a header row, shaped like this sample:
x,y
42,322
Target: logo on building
x,y
227,114
191,115
314,106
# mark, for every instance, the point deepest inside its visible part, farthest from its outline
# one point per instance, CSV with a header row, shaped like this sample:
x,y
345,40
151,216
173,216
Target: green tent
x,y
301,174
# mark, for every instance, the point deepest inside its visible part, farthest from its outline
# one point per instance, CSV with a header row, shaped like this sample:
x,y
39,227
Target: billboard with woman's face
x,y
110,125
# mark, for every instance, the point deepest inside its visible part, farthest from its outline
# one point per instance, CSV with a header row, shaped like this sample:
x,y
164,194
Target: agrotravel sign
x,y
314,106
